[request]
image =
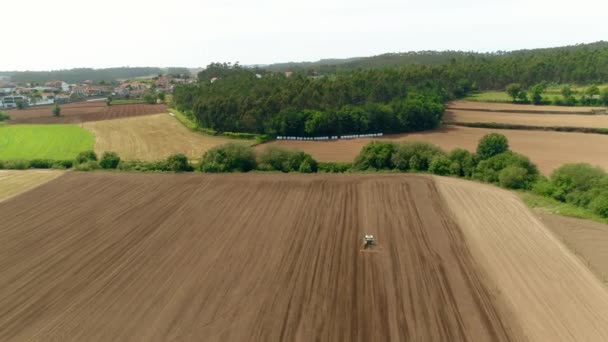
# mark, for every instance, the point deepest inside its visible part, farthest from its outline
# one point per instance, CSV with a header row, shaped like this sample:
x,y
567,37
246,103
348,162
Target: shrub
x,y
228,158
62,164
279,159
415,156
109,160
489,170
178,163
41,163
15,165
150,97
375,155
56,110
142,166
463,162
89,165
440,165
491,145
599,204
577,177
4,116
86,156
513,177
332,167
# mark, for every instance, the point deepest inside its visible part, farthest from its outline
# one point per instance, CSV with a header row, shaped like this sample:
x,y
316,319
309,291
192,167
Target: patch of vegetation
x,y
279,159
228,158
556,207
126,101
334,167
109,160
4,116
57,142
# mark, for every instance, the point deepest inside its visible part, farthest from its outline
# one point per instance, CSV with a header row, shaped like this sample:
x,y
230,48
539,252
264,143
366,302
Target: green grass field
x,y
549,94
43,141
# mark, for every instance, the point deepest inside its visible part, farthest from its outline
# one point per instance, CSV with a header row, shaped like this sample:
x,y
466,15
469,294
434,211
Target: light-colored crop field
x,y
549,150
43,141
561,120
13,183
151,137
523,108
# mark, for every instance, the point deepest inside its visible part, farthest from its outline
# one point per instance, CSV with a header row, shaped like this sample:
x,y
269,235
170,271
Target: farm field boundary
x,y
13,183
520,108
496,125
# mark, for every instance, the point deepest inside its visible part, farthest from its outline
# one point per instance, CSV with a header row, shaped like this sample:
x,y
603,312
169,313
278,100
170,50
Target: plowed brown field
x,y
549,150
125,257
83,112
562,120
501,107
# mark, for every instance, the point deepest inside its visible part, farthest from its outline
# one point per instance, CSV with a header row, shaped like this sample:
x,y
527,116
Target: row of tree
x,y
591,96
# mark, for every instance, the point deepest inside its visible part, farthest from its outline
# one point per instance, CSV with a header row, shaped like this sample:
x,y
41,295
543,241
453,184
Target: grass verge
x,y
556,207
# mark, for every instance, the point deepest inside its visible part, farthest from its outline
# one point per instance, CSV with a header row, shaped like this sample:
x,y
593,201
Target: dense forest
x,y
365,101
83,74
376,94
583,63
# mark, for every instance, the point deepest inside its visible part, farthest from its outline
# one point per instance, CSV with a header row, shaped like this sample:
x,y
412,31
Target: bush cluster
x,y
4,116
228,158
582,185
234,157
493,163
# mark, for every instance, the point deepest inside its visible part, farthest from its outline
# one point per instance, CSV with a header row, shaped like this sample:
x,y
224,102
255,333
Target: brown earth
x,y
562,120
250,257
587,239
152,137
552,293
13,183
549,150
491,106
83,112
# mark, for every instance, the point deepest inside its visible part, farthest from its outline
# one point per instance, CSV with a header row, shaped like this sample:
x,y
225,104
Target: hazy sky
x,y
42,34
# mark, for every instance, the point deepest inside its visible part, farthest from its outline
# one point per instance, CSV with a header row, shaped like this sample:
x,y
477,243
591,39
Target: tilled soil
x,y
83,112
123,257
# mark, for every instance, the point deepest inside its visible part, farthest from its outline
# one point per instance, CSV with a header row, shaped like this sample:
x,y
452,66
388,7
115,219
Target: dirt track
x,y
82,112
549,150
127,257
151,137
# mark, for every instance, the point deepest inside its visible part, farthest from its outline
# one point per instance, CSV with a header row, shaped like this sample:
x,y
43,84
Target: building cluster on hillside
x,y
60,92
